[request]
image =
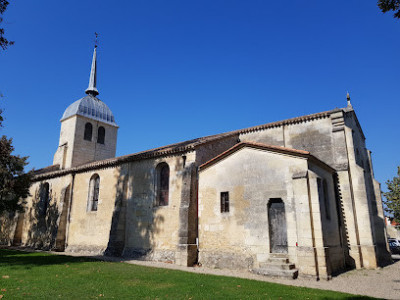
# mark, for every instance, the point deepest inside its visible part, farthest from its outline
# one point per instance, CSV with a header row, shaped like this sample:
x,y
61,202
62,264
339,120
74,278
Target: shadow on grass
x,y
31,259
153,281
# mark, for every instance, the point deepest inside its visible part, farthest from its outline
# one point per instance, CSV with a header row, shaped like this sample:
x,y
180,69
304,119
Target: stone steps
x,y
292,274
277,265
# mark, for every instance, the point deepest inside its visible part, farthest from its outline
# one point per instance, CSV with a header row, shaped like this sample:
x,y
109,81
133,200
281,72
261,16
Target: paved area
x,y
380,283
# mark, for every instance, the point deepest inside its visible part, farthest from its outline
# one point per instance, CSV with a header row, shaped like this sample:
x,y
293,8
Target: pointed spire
x,y
92,90
348,101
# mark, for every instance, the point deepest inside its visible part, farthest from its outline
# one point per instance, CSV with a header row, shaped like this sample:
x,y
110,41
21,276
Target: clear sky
x,y
177,70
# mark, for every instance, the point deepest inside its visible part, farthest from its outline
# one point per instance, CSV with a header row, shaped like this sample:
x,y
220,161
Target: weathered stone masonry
x,y
314,172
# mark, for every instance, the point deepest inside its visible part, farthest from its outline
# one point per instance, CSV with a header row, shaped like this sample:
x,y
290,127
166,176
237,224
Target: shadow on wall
x,y
383,255
43,217
8,224
135,221
348,262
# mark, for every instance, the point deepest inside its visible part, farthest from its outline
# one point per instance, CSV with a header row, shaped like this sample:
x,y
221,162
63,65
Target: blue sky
x,y
177,70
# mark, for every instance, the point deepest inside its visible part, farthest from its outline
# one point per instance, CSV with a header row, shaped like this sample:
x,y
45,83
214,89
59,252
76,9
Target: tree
x,y
14,182
4,43
392,196
388,5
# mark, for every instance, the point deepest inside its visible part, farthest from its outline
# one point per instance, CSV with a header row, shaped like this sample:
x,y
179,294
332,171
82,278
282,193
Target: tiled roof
x,y
48,169
181,147
90,107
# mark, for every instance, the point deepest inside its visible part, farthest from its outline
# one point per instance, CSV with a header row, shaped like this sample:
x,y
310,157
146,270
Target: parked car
x,y
394,246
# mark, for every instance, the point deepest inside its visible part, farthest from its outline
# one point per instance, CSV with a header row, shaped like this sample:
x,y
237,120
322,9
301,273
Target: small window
x,y
44,199
93,196
162,184
88,132
101,132
224,202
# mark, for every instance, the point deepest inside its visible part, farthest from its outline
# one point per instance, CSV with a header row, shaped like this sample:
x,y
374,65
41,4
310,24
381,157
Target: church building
x,y
294,197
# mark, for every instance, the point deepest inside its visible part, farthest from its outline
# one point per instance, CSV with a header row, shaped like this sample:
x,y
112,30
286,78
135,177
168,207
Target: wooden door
x,y
277,226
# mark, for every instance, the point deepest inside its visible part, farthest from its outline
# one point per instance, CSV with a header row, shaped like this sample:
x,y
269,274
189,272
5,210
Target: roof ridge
x,y
189,145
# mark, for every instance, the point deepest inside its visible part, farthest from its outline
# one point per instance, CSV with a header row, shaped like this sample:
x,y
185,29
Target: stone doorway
x,y
277,226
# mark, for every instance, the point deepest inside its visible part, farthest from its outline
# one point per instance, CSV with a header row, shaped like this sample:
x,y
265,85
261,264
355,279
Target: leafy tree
x,y
4,43
393,197
14,182
388,5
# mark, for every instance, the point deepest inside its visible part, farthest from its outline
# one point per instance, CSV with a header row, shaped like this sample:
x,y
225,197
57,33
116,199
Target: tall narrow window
x,y
44,199
93,197
101,133
162,184
224,202
324,196
88,132
326,199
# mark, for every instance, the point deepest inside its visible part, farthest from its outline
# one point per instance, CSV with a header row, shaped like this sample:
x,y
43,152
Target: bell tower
x,y
88,128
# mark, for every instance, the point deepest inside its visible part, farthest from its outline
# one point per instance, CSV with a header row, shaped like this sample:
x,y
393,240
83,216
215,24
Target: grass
x,y
46,276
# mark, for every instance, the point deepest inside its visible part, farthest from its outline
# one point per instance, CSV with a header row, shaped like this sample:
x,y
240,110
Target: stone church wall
x,y
63,155
209,150
88,151
368,211
89,231
239,239
154,231
331,246
314,136
38,225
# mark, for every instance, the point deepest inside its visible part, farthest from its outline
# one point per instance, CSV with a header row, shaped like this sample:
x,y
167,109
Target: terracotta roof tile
x,y
181,147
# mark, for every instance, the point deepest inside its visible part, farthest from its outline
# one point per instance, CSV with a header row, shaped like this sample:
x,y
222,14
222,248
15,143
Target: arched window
x,y
101,133
162,184
88,132
44,199
93,196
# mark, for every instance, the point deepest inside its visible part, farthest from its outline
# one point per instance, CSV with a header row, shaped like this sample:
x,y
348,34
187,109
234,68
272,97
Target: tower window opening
x,y
101,133
88,132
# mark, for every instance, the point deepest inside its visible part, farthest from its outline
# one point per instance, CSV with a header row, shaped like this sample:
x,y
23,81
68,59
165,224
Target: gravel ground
x,y
380,283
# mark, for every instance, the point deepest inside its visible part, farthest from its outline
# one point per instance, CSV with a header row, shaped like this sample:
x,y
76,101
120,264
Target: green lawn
x,y
45,276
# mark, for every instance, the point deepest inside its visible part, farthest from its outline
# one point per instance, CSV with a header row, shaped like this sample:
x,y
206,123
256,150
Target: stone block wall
x,y
87,151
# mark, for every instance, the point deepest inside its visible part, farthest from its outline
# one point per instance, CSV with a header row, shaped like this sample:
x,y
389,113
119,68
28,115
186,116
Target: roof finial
x,y
348,101
92,90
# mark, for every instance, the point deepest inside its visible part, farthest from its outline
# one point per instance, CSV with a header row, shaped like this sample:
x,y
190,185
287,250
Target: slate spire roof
x,y
92,89
90,106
